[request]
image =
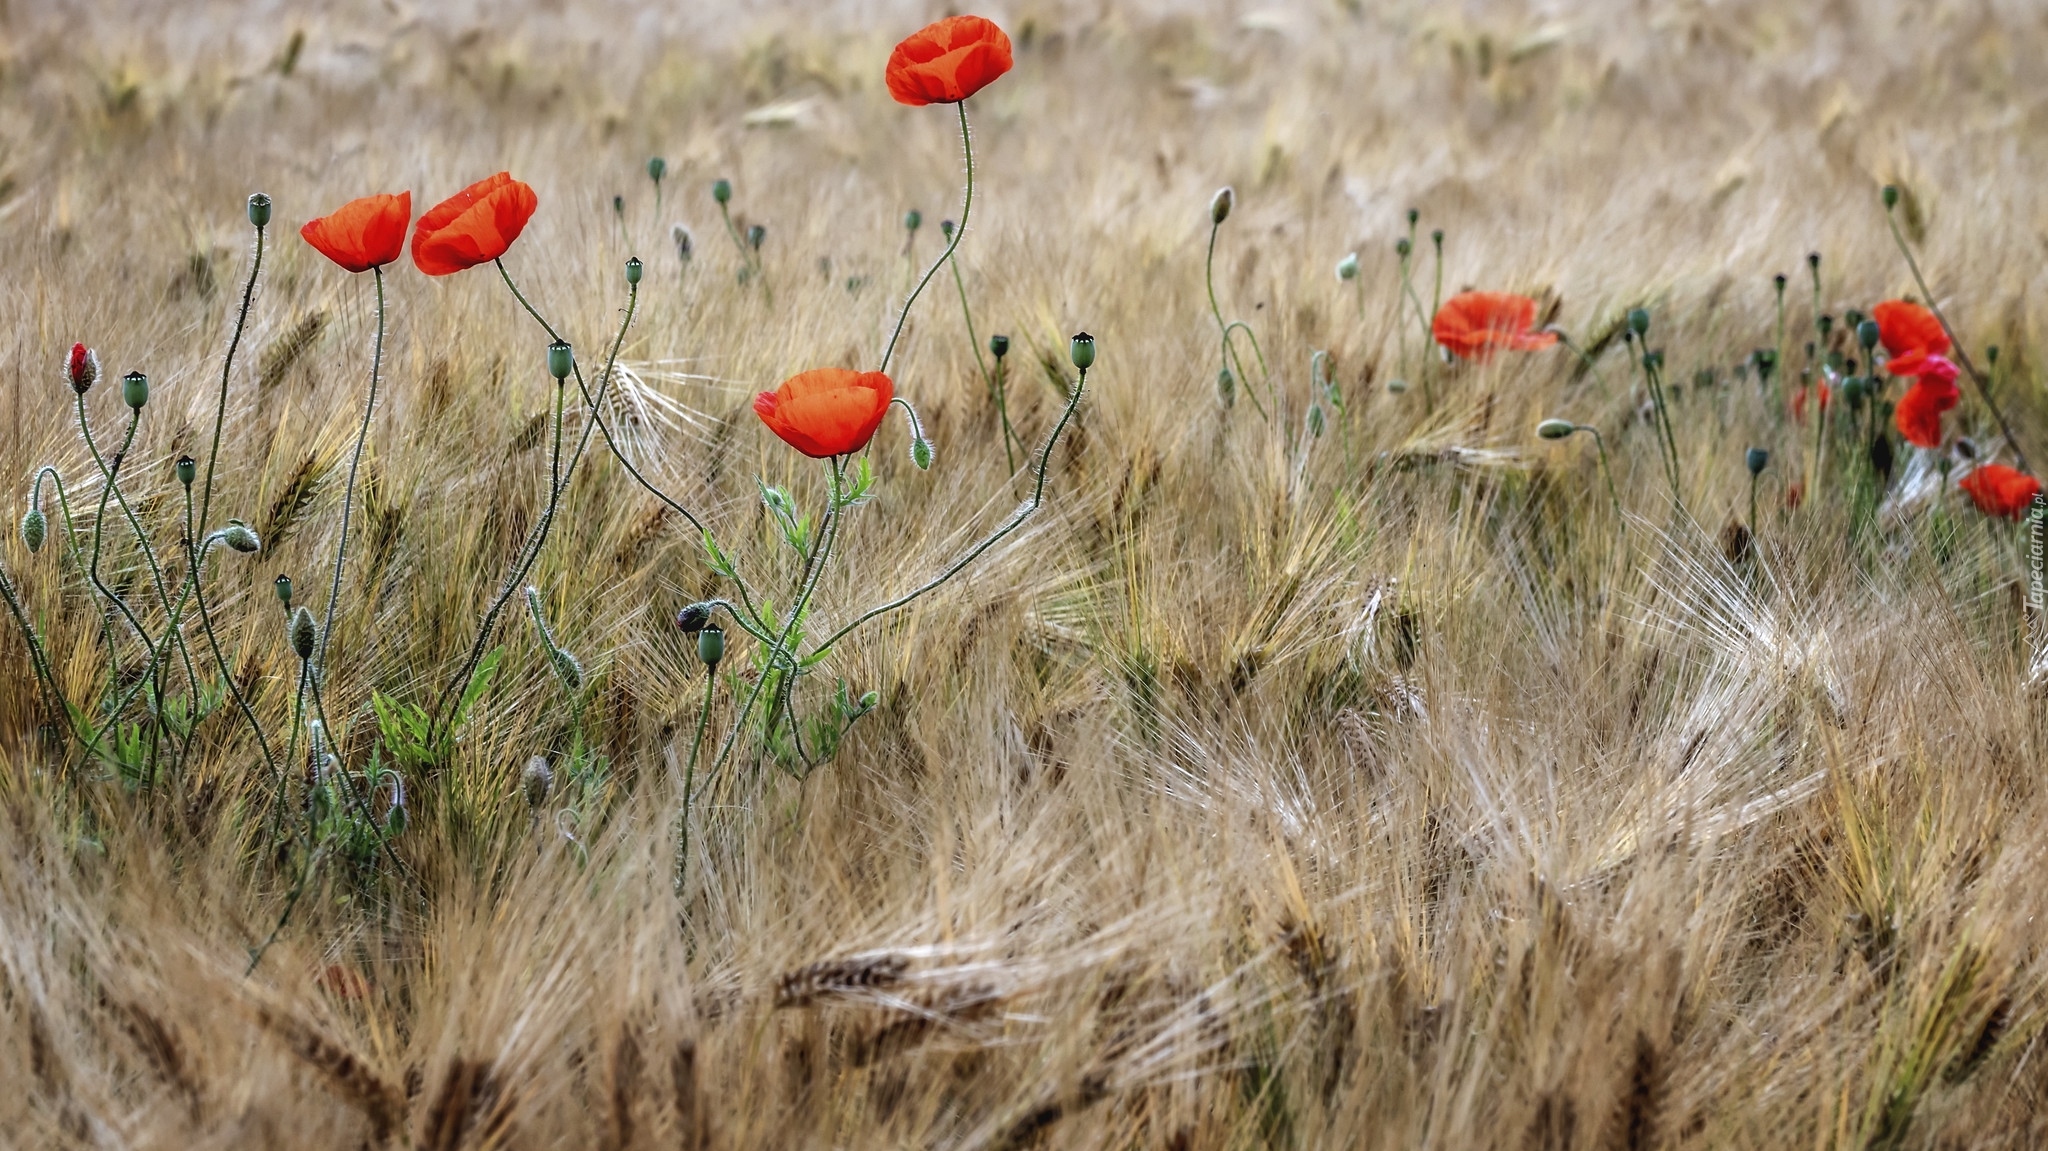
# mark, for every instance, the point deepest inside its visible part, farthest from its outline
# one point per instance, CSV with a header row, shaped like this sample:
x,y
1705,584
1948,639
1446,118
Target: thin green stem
x,y
99,518
220,408
1607,470
195,558
1232,362
690,774
974,342
355,463
959,233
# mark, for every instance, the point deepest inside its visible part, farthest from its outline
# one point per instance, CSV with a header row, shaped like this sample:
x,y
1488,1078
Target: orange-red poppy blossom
x,y
474,226
1911,333
362,234
1998,490
827,411
1472,324
1918,415
946,62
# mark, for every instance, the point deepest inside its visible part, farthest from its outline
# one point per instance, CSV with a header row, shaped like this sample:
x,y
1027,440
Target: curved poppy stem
x,y
690,776
220,408
966,209
348,493
361,801
1016,520
194,558
1231,360
1976,377
995,391
39,660
99,533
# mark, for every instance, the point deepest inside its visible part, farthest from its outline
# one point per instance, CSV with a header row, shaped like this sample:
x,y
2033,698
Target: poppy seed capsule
x,y
1082,350
711,644
913,220
656,169
946,229
1413,216
536,781
561,358
1891,196
1639,320
1867,333
633,270
188,470
259,210
34,526
1779,280
135,390
304,633
721,191
1813,260
999,346
755,234
1220,205
1555,429
241,537
282,585
1347,268
1402,247
1757,460
693,618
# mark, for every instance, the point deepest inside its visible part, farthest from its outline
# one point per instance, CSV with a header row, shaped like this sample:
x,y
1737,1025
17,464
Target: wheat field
x,y
1377,783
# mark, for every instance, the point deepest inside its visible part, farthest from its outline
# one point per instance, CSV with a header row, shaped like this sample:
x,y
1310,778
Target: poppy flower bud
x,y
633,269
1437,237
1220,205
1813,260
711,644
656,169
561,358
1639,320
1226,387
259,210
755,234
721,191
1555,429
304,632
1347,268
282,585
241,537
921,453
999,346
568,668
188,470
135,390
869,700
946,229
1827,325
82,368
1891,196
681,238
1402,247
1083,351
536,781
1867,333
1413,216
693,618
1757,460
1779,280
34,526
1852,390
1853,318
1315,420
913,220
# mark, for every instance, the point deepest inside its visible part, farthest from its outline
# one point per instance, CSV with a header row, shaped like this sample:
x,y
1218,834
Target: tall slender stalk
x,y
355,463
1232,362
194,558
966,210
690,773
220,407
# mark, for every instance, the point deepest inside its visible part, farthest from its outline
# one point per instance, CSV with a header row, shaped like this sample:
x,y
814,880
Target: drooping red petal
x,y
1918,415
1905,326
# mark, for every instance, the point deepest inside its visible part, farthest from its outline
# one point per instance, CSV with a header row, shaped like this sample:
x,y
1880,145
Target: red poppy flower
x,y
1918,415
1472,324
1911,333
362,234
474,226
826,411
946,62
1998,490
1827,396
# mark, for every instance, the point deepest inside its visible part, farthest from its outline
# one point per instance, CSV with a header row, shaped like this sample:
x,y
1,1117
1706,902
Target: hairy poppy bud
x,y
694,618
536,781
755,234
946,230
913,220
999,346
568,668
135,390
711,644
1891,196
1555,429
304,633
680,235
921,453
240,536
82,368
721,191
282,585
1402,247
656,169
633,270
1639,320
1757,460
1226,387
34,526
1083,350
1867,333
1220,205
1347,268
188,470
259,210
561,358
1315,420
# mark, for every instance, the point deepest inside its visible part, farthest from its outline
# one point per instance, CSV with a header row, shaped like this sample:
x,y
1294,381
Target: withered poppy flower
x,y
474,226
1911,333
826,411
1472,324
946,62
1998,490
362,234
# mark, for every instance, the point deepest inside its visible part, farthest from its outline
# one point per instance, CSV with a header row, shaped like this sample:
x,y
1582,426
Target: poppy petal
x,y
364,233
474,226
946,62
827,411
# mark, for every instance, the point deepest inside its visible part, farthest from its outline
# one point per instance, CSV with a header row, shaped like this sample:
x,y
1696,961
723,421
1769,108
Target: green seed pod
x,y
536,781
34,526
1402,247
656,169
1082,350
1347,268
755,234
1315,420
135,390
1827,325
1413,216
1854,318
188,470
1639,320
1437,237
1556,429
913,220
1852,390
1867,334
305,633
561,359
1653,361
999,346
921,453
259,210
1220,205
1226,387
946,230
241,537
1891,196
711,644
869,700
721,191
633,270
694,618
1779,280
1757,460
282,585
